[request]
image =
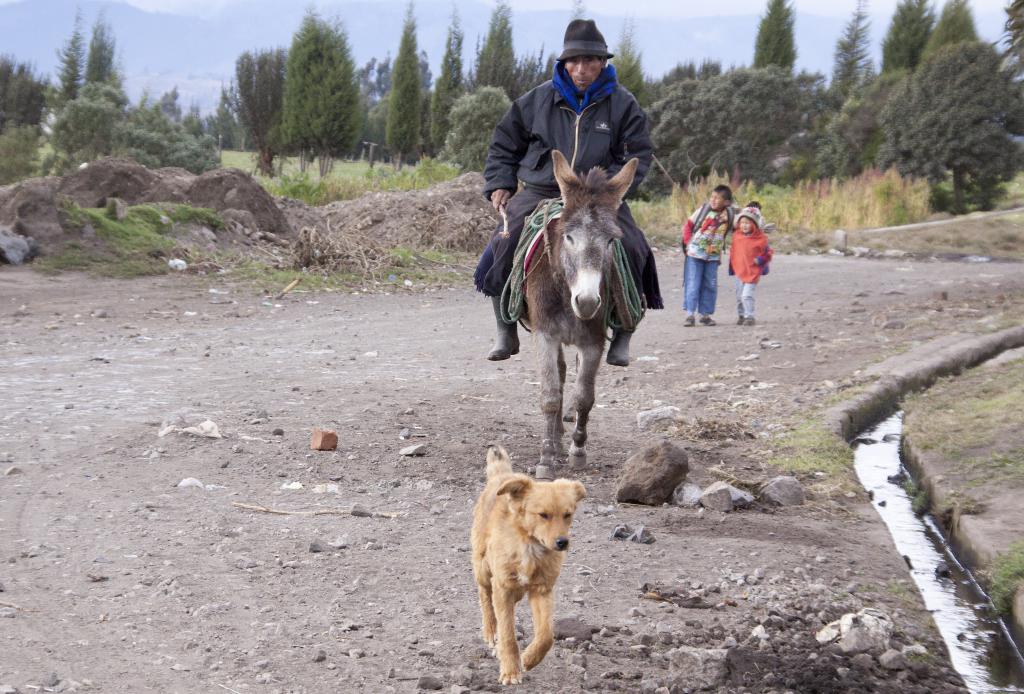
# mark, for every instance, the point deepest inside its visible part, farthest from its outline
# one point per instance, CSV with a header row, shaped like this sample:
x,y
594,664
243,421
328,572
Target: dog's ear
x,y
516,487
580,491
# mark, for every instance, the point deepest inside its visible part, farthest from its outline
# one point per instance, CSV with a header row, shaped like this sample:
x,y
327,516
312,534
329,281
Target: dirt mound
x,y
32,208
450,216
226,189
108,178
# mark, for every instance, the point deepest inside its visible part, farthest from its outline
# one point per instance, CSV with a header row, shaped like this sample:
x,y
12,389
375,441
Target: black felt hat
x,y
583,38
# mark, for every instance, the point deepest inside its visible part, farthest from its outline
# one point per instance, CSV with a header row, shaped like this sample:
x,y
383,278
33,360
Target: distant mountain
x,y
158,51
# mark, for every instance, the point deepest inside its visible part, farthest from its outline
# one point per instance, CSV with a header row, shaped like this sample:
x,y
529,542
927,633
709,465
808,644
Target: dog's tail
x,y
498,462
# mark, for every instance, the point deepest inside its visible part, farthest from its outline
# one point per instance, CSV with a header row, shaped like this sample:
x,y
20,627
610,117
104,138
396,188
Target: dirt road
x,y
123,582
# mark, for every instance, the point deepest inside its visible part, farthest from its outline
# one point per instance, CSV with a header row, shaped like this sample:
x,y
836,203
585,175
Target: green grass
x,y
136,246
975,420
1007,577
347,180
810,447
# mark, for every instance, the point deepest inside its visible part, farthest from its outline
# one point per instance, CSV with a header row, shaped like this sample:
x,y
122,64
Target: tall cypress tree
x,y
1015,33
907,36
775,44
956,25
496,61
448,87
403,129
72,64
627,61
99,66
260,91
853,58
321,112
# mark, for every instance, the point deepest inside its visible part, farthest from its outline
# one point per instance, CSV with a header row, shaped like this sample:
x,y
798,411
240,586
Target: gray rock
x,y
697,668
652,475
14,248
573,628
13,470
246,563
8,689
740,497
356,653
50,680
866,631
687,495
415,450
892,660
717,497
8,613
893,325
316,547
783,491
430,682
648,418
863,662
340,543
839,240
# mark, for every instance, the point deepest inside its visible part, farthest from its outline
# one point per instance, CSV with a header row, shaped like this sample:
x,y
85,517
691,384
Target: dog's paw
x,y
510,676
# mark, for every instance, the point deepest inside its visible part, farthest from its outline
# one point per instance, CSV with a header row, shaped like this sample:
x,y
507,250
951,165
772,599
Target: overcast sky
x,y
637,8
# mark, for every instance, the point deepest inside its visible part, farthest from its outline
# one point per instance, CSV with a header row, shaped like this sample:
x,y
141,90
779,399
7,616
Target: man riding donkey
x,y
586,115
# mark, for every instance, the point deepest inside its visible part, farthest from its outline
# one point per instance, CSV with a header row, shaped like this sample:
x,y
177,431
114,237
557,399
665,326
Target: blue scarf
x,y
603,86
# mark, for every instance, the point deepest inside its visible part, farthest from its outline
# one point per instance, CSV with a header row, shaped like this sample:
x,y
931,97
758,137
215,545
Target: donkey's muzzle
x,y
586,307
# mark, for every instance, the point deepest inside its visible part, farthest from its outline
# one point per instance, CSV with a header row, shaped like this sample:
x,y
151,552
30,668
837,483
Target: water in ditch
x,y
979,643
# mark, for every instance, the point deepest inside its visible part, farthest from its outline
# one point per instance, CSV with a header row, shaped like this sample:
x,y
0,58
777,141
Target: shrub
x,y
473,119
19,147
1007,577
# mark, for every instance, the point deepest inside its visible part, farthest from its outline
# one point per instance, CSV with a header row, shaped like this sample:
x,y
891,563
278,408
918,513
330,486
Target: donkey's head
x,y
588,229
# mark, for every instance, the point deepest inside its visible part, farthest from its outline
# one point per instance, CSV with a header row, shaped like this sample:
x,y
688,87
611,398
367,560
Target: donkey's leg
x,y
590,358
569,413
550,402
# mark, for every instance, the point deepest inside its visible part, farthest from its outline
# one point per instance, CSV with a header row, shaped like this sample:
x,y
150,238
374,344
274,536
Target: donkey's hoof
x,y
569,416
577,457
544,472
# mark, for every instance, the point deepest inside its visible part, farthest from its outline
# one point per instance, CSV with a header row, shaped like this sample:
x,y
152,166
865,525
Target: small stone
x,y
8,613
717,497
8,689
356,653
190,482
418,449
687,495
261,664
246,563
340,543
361,511
316,547
759,633
651,475
50,680
13,470
320,656
783,491
430,682
863,662
894,325
572,627
892,660
648,418
278,432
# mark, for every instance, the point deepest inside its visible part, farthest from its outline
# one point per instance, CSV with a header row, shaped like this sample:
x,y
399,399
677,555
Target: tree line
x,y
942,105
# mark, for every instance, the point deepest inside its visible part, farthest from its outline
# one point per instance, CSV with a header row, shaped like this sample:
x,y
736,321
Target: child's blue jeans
x,y
700,285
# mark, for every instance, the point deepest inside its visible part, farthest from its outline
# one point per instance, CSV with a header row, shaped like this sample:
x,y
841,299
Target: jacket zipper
x,y
576,136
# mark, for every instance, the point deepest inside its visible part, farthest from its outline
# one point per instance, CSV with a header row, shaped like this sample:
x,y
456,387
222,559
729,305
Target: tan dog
x,y
520,534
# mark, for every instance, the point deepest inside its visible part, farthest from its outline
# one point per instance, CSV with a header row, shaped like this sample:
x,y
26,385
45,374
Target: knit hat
x,y
753,214
583,38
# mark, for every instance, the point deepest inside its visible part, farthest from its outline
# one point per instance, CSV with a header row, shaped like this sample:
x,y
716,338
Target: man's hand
x,y
499,198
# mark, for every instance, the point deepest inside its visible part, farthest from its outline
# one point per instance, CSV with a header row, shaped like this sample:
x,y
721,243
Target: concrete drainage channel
x,y
979,643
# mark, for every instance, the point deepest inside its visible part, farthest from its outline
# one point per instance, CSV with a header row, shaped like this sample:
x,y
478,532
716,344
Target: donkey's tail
x,y
498,462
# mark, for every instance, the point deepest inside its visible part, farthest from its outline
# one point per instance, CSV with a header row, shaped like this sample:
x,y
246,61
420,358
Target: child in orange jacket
x,y
748,259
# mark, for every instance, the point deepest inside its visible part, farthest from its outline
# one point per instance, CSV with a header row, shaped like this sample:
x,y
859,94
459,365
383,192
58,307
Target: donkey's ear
x,y
567,179
620,182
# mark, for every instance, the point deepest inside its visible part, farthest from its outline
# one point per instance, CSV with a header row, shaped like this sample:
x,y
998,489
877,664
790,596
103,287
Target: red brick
x,y
323,440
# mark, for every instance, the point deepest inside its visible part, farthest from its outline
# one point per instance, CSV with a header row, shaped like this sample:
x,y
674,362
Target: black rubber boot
x,y
618,352
507,342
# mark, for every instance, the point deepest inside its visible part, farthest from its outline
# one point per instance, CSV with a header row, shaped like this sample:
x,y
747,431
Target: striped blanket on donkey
x,y
624,305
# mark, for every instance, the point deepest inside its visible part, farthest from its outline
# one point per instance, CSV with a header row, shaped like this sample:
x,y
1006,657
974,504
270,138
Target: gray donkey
x,y
564,300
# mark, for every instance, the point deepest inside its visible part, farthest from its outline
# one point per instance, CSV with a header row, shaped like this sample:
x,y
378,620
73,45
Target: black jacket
x,y
608,133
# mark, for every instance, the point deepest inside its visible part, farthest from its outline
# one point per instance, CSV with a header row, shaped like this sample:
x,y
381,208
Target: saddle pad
x,y
536,242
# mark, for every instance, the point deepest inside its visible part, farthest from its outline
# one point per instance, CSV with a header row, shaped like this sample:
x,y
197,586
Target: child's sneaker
x,y
749,320
689,322
707,320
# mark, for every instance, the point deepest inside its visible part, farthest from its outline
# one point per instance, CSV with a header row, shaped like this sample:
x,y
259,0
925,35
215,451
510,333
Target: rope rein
x,y
624,308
